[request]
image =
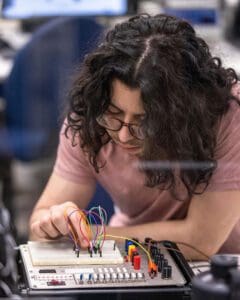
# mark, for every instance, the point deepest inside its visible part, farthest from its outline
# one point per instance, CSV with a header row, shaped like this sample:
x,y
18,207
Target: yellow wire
x,y
106,235
89,230
126,238
90,233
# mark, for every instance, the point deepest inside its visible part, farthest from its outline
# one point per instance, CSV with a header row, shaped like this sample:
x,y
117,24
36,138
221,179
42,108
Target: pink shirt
x,y
137,203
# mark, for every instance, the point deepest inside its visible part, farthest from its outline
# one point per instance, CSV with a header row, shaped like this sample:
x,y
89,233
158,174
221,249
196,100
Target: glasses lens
x,y
136,131
115,125
109,123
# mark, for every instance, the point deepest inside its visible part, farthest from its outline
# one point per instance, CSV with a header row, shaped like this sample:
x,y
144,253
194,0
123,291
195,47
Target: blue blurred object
x,y
198,16
22,9
38,84
102,198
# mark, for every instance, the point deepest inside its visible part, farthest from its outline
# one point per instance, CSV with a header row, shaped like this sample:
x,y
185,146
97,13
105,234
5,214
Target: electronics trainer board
x,y
54,268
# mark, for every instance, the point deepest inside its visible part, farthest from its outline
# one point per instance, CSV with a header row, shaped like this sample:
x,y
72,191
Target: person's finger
x,y
59,220
36,230
70,209
47,226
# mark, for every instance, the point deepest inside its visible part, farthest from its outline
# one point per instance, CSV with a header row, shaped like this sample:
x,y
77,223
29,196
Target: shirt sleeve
x,y
227,174
71,162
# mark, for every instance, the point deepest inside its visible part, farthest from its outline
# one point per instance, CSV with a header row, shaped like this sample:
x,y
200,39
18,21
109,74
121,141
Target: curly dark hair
x,y
184,89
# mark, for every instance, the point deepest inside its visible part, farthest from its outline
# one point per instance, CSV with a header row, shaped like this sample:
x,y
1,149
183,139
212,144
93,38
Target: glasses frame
x,y
121,123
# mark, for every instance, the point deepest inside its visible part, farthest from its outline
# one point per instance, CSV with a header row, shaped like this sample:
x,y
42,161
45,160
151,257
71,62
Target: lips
x,y
131,150
128,147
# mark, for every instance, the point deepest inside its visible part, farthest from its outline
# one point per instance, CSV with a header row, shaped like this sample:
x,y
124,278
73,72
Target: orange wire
x,y
69,223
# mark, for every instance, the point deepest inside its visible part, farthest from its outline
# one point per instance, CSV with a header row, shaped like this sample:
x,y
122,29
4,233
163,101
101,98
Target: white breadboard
x,y
60,253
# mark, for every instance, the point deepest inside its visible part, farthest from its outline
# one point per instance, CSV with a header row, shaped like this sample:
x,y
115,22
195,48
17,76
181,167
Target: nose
x,y
124,134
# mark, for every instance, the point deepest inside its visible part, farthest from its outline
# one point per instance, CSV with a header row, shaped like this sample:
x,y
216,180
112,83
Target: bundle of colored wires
x,y
91,226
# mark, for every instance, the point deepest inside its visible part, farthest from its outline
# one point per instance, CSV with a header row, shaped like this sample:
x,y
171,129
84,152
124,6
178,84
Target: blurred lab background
x,y
42,42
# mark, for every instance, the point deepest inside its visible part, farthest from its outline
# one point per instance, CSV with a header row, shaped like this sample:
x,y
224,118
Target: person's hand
x,y
61,220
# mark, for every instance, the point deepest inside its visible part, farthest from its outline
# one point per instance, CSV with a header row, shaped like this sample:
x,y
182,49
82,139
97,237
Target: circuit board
x,y
54,266
61,254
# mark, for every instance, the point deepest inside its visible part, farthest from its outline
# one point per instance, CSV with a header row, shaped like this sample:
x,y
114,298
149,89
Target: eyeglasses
x,y
115,124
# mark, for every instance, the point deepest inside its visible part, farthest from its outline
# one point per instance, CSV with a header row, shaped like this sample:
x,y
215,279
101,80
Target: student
x,y
155,118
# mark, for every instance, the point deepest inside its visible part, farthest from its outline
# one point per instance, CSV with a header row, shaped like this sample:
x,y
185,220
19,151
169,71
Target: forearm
x,y
176,231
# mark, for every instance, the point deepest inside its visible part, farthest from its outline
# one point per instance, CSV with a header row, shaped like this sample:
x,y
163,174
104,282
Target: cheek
x,y
113,135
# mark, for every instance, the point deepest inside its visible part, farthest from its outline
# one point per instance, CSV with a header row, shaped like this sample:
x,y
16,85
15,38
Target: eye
x,y
139,121
112,110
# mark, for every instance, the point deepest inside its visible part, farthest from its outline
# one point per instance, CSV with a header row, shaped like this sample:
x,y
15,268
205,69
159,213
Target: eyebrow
x,y
120,110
